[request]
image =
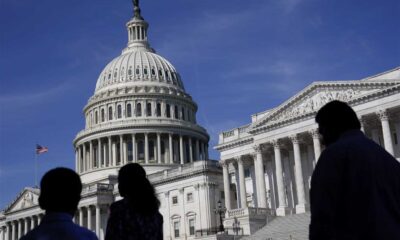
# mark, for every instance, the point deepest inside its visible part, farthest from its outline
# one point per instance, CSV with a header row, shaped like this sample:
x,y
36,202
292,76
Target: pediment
x,y
26,199
316,95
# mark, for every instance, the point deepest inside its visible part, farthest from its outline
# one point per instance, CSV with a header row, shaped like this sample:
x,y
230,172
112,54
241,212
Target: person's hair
x,y
60,190
134,186
335,118
338,115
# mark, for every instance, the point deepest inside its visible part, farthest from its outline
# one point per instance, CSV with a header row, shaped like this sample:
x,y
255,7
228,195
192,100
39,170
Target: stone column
x,y
121,149
91,155
25,226
171,150
109,152
77,159
89,218
227,191
167,217
317,144
260,177
301,204
190,150
98,220
362,123
134,156
84,164
146,148
80,217
19,228
8,235
242,184
114,153
159,148
183,214
197,150
181,149
14,231
281,210
99,157
387,135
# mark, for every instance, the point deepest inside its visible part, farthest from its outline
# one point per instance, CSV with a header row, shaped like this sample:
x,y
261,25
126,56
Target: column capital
x,y
294,138
314,133
196,186
383,115
181,190
166,194
239,159
276,143
258,148
223,163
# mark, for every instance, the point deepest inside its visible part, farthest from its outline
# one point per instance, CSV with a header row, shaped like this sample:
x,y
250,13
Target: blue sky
x,y
236,58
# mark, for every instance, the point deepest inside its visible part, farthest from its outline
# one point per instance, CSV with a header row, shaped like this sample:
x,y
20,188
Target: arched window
x,y
138,109
183,113
158,109
151,148
129,110
162,147
137,70
140,150
110,113
176,113
168,111
102,115
145,71
148,109
119,111
96,117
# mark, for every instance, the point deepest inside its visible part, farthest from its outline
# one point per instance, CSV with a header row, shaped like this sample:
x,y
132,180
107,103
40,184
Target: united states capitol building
x,y
140,112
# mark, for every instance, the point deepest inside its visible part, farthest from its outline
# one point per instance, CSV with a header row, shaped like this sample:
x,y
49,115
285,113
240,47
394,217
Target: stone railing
x,y
234,134
250,211
184,169
97,188
142,121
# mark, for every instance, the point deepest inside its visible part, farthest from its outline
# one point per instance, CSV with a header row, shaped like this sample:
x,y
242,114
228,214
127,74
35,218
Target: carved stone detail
x,y
294,138
314,103
383,115
314,133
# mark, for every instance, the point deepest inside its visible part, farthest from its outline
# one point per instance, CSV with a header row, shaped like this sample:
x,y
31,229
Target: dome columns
x,y
145,148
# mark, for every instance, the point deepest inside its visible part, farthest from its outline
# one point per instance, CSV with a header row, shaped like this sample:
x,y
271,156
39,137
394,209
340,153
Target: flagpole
x,y
36,169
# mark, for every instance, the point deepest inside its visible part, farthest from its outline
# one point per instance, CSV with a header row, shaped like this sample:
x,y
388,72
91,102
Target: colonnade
x,y
147,148
17,228
272,149
89,216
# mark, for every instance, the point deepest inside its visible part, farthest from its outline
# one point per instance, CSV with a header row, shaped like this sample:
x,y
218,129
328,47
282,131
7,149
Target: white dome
x,y
138,67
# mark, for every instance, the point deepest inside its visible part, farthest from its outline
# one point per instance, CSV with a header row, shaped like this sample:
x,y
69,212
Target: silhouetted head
x,y
60,191
134,186
334,119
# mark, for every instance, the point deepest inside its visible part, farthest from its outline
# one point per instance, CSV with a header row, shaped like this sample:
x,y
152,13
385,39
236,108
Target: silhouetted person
x,y
136,216
355,187
60,192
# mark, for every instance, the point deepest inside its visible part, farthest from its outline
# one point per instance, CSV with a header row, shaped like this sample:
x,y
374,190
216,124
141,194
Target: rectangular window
x,y
176,229
174,200
191,227
189,197
247,172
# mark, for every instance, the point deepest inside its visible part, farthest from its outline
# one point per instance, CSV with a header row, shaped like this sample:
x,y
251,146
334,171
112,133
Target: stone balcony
x,y
97,188
234,134
251,219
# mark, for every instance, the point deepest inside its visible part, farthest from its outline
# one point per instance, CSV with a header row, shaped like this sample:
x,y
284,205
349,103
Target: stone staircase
x,y
292,227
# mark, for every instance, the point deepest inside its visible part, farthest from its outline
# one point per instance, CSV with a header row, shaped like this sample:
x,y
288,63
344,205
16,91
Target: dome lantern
x,y
137,31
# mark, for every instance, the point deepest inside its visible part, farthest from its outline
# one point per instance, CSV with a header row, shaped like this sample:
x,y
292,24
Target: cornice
x,y
235,143
160,126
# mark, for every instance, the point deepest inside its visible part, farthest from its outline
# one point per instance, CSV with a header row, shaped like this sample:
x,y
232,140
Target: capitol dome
x,y
139,112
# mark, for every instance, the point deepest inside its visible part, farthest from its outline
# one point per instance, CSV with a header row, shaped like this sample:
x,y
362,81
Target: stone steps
x,y
292,227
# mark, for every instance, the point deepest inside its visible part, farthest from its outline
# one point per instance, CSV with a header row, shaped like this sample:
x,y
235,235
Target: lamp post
x,y
220,210
236,226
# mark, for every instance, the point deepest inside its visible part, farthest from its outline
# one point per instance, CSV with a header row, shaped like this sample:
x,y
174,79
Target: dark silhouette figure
x,y
355,187
60,193
136,216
